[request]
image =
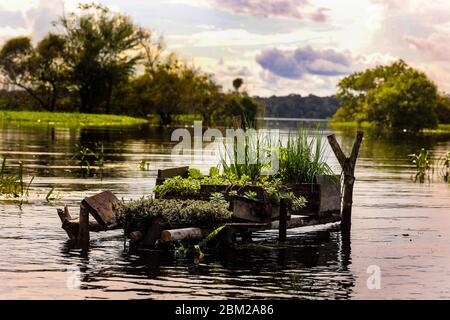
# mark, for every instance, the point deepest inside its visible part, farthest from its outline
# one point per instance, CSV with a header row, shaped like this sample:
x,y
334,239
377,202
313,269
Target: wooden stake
x,y
282,226
348,165
83,232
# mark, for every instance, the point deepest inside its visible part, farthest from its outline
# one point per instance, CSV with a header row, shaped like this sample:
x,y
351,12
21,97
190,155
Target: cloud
x,y
436,46
296,9
295,64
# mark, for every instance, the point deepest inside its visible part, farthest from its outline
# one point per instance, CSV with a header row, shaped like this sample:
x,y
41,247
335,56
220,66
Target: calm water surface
x,y
400,226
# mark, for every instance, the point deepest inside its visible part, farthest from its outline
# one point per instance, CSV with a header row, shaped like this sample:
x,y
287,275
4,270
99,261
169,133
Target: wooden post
x,y
348,167
83,231
282,226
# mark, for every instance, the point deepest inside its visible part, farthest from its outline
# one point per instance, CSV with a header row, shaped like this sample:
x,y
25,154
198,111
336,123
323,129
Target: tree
x,y
50,70
396,96
37,71
237,83
443,108
102,50
17,66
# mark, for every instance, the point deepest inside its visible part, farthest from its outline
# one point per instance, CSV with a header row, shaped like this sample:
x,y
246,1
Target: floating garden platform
x,y
188,208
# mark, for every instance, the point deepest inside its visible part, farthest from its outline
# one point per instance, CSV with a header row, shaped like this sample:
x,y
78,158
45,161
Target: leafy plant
x,y
422,165
195,173
178,212
210,237
233,193
217,196
302,160
214,172
296,202
251,195
179,186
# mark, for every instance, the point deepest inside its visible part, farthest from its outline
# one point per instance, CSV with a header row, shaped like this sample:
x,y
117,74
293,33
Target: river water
x,y
400,228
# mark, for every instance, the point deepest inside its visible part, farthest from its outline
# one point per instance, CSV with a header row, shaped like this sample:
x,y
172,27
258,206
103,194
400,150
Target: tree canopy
x,y
397,96
100,61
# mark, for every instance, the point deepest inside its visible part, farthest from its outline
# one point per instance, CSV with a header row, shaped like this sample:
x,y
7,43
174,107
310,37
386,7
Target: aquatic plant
x,y
175,212
423,165
88,157
302,160
144,165
13,185
445,167
51,196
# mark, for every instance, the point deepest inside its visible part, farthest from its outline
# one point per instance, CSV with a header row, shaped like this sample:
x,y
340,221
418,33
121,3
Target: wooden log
x,y
282,227
182,234
83,232
101,208
348,165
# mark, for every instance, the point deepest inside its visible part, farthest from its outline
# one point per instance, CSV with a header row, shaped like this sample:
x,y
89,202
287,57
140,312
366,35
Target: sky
x,y
278,47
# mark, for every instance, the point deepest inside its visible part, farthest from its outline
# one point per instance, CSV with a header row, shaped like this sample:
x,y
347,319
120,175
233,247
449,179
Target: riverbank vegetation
x,y
67,119
99,61
397,97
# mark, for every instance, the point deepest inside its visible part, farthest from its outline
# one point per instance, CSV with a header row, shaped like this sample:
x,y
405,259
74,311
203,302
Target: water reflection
x,y
401,226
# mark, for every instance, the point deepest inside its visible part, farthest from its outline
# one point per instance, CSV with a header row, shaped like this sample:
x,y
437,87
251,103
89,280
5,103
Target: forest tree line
x,y
99,61
296,106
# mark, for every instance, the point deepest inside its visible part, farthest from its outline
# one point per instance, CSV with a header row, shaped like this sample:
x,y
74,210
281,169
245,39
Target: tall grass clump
x,y
303,158
422,164
13,185
248,156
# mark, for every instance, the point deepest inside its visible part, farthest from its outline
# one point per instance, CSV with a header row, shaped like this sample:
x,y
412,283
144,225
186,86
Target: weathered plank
x,y
297,221
101,208
251,210
173,172
330,193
